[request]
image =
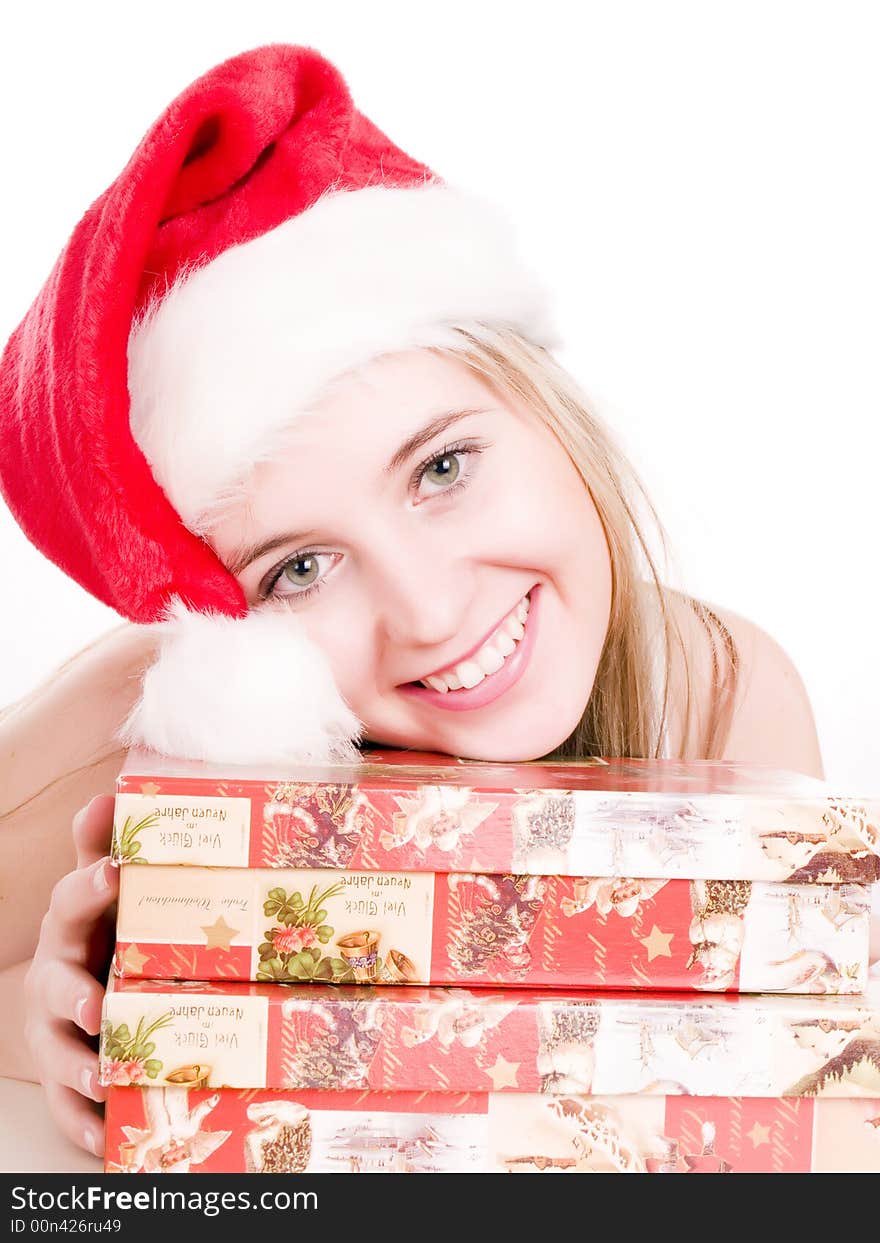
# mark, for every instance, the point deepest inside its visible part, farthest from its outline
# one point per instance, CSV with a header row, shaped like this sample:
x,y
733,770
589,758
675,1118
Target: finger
x,y
72,1062
78,901
92,830
79,1120
69,992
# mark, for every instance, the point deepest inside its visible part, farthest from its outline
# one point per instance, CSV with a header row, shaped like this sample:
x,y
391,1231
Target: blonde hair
x,y
627,712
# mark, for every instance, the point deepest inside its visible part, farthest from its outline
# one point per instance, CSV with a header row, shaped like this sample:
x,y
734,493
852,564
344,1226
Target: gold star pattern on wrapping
x,y
503,1073
219,934
150,789
759,1135
133,960
657,943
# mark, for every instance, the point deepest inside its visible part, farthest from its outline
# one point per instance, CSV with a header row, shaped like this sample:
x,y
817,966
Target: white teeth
x,y
470,673
488,659
504,643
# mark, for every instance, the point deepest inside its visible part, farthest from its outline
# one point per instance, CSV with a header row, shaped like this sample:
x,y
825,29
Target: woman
x,y
293,402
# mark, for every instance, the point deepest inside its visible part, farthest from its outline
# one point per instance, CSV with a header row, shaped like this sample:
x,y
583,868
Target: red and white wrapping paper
x,y
175,1130
340,926
557,1042
403,811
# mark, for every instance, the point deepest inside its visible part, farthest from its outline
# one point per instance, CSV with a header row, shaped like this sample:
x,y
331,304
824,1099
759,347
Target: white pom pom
x,y
251,690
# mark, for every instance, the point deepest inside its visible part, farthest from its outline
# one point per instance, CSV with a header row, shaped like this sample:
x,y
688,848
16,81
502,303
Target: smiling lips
x,y
488,672
488,658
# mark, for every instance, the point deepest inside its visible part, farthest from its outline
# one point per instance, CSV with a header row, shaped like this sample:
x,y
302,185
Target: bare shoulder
x,y
110,666
69,720
770,717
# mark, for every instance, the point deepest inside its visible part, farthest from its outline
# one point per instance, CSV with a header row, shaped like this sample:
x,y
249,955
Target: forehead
x,y
337,449
392,395
364,416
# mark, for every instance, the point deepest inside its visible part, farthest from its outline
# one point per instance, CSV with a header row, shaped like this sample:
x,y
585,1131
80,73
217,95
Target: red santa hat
x,y
264,238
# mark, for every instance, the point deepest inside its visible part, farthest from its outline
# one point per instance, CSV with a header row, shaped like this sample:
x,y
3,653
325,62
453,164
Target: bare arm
x,y
56,752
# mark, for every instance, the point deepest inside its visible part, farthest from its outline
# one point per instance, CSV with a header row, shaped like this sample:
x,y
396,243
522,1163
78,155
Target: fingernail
x,y
91,1142
87,1079
100,879
80,1010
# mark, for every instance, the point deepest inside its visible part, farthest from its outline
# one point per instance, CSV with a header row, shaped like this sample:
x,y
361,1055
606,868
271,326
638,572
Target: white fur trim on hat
x,y
236,349
250,690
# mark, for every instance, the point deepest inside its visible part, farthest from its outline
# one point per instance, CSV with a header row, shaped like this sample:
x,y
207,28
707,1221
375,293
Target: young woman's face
x,y
418,516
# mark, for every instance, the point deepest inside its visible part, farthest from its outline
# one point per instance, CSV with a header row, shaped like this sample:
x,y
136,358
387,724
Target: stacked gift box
x,y
429,964
269,1078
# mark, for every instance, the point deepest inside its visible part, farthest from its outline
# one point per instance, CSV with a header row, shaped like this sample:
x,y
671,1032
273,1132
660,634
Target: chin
x,y
508,754
517,737
511,745
492,751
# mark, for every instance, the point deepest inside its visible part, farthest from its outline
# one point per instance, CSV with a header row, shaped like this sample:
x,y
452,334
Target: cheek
x,y
347,647
547,520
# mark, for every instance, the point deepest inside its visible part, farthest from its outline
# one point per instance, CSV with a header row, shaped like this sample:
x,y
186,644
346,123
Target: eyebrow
x,y
426,433
244,556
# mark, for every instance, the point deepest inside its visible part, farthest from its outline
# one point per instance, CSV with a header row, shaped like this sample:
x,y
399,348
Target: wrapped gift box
x,y
558,1042
342,926
180,1130
402,812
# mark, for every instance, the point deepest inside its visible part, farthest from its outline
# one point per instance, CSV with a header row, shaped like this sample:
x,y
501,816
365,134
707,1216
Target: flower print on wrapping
x,y
293,948
122,1074
127,1059
292,940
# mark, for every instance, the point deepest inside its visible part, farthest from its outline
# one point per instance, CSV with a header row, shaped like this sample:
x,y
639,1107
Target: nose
x,y
422,597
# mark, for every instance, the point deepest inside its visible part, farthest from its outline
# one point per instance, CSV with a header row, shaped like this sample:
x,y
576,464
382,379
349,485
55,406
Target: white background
x,y
698,183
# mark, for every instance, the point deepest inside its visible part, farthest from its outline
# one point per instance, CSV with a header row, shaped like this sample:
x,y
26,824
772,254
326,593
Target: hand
x,y
62,994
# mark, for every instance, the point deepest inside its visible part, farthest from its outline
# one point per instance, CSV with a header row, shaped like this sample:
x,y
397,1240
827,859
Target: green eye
x,y
302,570
444,469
